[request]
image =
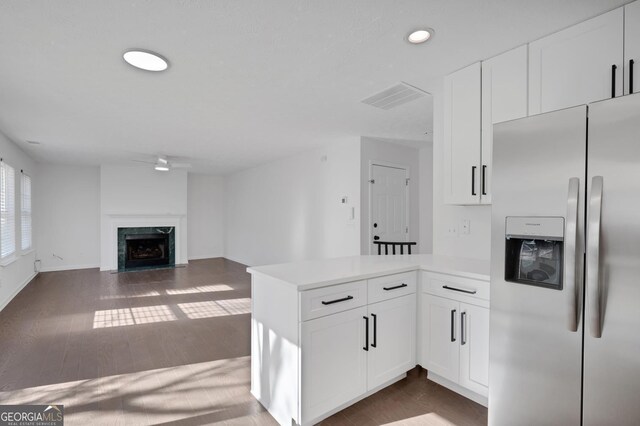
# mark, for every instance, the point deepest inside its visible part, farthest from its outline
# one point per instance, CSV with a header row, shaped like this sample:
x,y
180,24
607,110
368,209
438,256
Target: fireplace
x,y
146,248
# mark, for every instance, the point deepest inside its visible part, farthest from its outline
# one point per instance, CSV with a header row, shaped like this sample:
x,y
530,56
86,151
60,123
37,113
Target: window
x,y
25,212
7,210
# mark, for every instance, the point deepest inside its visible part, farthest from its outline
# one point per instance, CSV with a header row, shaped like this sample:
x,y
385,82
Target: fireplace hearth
x,y
146,248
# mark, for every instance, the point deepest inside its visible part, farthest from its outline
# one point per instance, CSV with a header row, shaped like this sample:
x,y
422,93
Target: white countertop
x,y
311,274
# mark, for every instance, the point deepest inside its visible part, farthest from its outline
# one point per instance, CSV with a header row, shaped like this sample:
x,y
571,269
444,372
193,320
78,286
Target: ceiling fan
x,y
164,163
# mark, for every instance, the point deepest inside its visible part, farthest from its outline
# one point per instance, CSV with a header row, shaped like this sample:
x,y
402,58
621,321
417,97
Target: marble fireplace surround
x,y
115,221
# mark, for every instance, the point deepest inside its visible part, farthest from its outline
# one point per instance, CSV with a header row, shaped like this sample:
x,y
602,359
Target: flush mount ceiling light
x,y
420,36
161,167
145,60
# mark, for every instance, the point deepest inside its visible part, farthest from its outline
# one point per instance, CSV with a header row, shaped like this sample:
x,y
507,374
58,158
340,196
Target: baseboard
x,y
213,256
482,400
16,291
67,267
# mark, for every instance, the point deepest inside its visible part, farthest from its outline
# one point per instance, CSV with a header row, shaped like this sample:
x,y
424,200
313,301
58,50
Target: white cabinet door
x,y
574,66
504,97
392,331
462,136
474,348
440,318
334,363
632,47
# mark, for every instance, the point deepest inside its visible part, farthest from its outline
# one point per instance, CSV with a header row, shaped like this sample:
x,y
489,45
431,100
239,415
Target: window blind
x,y
7,210
25,212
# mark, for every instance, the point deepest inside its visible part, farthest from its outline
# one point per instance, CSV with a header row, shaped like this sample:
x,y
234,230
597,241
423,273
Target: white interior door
x,y
388,219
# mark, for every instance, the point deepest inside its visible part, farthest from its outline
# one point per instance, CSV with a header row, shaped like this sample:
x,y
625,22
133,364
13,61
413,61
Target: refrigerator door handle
x,y
593,257
571,255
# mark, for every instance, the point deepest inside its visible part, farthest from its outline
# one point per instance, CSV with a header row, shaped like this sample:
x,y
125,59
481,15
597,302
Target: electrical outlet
x,y
452,230
465,227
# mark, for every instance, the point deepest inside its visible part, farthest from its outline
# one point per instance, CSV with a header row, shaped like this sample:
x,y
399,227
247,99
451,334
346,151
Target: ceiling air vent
x,y
394,96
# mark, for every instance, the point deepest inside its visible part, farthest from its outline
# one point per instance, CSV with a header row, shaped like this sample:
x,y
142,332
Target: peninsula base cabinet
x,y
454,333
345,355
316,352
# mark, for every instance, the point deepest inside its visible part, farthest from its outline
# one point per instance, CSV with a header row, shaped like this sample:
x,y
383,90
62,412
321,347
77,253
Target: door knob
x,y
376,238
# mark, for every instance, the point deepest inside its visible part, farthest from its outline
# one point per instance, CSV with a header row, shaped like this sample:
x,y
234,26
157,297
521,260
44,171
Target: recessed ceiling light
x,y
420,36
145,60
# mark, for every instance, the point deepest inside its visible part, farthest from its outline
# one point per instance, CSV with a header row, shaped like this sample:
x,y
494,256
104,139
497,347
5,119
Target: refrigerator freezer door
x,y
535,354
612,357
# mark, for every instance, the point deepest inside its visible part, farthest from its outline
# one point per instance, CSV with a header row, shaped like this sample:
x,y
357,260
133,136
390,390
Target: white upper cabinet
x,y
632,48
504,97
462,135
578,65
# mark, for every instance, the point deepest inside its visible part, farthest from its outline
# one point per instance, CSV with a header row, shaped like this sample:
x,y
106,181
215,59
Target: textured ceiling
x,y
250,81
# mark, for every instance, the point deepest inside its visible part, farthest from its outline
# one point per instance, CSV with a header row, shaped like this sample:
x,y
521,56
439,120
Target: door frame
x,y
407,174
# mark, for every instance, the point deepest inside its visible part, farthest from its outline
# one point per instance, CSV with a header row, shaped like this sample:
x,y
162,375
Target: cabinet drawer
x,y
329,300
390,286
453,287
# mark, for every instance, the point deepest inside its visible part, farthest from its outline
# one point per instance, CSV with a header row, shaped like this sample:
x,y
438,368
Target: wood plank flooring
x,y
166,346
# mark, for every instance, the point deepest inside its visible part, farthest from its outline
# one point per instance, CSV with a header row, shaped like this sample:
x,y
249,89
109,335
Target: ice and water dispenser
x,y
534,251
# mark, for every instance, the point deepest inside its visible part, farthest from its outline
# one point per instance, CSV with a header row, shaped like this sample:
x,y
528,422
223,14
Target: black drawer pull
x,y
463,334
613,80
631,62
366,334
375,330
459,289
473,180
395,287
331,302
453,328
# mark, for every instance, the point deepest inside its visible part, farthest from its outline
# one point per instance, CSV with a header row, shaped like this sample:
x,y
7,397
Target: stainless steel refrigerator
x,y
565,267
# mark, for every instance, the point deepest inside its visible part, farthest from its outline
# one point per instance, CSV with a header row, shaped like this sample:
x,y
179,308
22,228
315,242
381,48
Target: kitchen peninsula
x,y
327,333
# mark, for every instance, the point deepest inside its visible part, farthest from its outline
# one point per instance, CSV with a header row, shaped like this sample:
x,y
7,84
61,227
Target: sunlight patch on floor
x,y
216,308
163,313
429,419
199,289
149,397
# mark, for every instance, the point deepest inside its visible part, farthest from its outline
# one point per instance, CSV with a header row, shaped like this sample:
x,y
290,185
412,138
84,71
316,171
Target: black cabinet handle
x,y
395,287
631,62
453,328
463,318
366,333
331,302
459,289
484,179
613,80
375,330
473,180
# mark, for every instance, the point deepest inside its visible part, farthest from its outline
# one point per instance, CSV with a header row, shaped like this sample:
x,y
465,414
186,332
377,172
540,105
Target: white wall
x,y
290,209
14,276
426,199
385,152
143,192
477,243
205,214
68,208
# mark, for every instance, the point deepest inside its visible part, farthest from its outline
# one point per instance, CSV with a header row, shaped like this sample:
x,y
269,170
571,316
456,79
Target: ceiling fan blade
x,y
145,162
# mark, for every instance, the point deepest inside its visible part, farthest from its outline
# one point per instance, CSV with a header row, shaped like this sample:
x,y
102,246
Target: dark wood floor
x,y
166,347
